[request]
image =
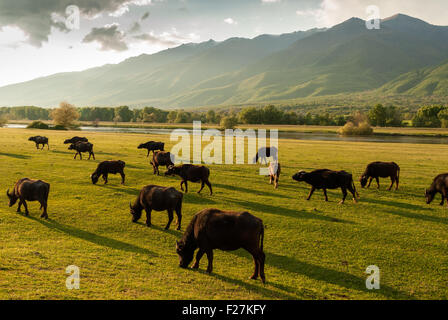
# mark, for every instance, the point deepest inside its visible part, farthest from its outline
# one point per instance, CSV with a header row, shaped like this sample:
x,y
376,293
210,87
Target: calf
x,y
375,170
30,190
161,158
40,140
224,230
274,173
328,179
439,185
76,140
81,147
152,146
190,172
159,199
108,167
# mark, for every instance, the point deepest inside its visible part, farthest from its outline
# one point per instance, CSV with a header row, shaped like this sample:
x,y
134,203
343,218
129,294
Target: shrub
x,y
3,121
229,122
38,125
58,127
350,129
65,115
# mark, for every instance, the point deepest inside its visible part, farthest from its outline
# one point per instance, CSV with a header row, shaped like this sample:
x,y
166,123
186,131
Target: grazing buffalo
x,y
159,199
224,230
377,170
266,152
439,185
190,172
39,140
274,173
152,146
76,140
81,147
30,190
161,158
328,179
108,167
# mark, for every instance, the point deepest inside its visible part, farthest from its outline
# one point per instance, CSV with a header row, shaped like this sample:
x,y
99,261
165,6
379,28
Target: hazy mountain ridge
x,y
347,58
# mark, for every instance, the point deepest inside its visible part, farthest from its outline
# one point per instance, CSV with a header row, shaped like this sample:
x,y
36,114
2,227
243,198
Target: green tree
x,y
378,116
65,115
124,113
229,122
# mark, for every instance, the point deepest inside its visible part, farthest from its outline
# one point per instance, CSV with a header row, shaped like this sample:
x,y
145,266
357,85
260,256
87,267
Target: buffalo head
x,y
185,254
363,181
299,176
135,212
429,196
94,178
12,198
171,171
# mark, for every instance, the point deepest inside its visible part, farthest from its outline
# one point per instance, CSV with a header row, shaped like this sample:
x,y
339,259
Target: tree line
x,y
379,115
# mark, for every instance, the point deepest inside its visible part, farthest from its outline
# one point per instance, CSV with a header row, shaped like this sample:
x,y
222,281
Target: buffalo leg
x,y
209,185
256,268
179,217
392,179
44,214
353,192
181,185
147,154
202,187
186,186
262,259
397,181
325,193
311,193
344,193
444,196
76,154
198,258
26,207
443,199
123,176
19,206
170,219
210,261
378,182
148,216
370,182
105,176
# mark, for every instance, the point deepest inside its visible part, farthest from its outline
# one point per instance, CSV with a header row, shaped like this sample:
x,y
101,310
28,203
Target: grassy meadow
x,y
314,250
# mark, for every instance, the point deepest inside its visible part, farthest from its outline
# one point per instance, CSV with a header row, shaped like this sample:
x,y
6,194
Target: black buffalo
x,y
152,146
225,230
266,152
76,140
108,167
376,170
193,173
81,147
30,190
328,179
159,199
39,140
439,185
161,158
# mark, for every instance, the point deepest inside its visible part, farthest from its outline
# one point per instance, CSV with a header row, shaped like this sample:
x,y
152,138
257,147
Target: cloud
x,y
270,1
230,21
167,38
109,37
37,18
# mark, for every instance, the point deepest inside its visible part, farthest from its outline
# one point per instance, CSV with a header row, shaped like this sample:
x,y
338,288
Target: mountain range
x,y
406,56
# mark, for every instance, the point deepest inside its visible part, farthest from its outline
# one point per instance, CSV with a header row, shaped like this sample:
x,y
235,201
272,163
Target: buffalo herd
x,y
210,229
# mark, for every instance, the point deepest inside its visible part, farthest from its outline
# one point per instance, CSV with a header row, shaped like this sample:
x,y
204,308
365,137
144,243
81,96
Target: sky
x,y
39,38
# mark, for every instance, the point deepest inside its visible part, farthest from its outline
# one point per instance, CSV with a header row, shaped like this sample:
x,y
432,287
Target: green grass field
x,y
314,250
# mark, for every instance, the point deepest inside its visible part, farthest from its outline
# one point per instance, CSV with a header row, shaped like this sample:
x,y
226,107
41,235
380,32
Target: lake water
x,y
282,135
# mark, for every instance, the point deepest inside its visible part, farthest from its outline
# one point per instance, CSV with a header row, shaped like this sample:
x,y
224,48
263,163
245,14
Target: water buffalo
x,y
152,146
159,199
439,185
81,147
274,173
108,167
190,172
161,158
328,179
40,140
266,152
224,230
376,170
76,140
30,190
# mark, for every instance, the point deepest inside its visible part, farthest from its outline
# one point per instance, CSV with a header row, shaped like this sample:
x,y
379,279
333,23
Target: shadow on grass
x,y
172,230
196,198
261,289
300,214
319,273
14,155
93,238
118,188
252,191
396,204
